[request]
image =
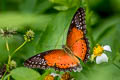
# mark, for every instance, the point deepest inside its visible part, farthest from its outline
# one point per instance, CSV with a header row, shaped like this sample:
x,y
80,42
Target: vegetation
x,y
49,20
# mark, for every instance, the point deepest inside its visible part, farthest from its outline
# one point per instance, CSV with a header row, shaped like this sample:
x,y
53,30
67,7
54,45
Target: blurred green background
x,y
50,20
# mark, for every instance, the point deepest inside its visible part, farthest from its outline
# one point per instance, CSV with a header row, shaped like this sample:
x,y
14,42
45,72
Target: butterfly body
x,y
67,50
67,57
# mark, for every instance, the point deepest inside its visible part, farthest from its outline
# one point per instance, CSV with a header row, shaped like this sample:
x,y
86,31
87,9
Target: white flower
x,y
102,58
54,74
107,48
99,55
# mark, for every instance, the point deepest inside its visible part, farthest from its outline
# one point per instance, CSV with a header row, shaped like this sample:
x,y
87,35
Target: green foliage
x,y
55,30
24,74
50,20
65,4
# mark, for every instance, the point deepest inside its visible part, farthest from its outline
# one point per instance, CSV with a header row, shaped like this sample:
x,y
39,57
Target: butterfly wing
x,y
57,59
76,39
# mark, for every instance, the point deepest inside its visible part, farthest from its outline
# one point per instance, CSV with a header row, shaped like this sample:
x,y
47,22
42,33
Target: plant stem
x,y
7,46
9,59
10,56
8,66
18,48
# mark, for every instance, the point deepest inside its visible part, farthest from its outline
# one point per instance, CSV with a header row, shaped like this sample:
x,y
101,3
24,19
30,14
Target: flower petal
x,y
54,74
107,48
102,58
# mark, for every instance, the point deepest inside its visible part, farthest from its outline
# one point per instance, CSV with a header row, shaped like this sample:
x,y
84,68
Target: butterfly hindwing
x,y
57,59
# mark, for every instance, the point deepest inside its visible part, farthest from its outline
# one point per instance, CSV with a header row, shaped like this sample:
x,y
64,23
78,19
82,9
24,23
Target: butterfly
x,y
77,47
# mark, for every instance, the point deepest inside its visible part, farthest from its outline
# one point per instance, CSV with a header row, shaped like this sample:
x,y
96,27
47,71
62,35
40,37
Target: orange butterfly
x,y
66,58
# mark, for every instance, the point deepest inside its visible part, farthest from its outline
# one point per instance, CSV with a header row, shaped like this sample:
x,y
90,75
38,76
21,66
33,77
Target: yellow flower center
x,y
97,51
49,77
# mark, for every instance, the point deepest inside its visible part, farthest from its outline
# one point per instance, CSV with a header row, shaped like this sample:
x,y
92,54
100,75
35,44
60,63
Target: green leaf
x,y
28,6
104,26
45,74
61,8
65,4
53,34
103,71
41,9
13,20
23,73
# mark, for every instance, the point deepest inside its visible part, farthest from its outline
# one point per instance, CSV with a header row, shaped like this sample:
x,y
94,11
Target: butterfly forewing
x,y
76,39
